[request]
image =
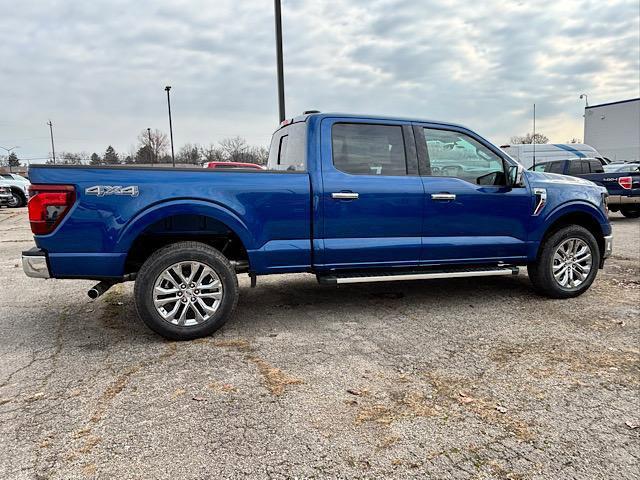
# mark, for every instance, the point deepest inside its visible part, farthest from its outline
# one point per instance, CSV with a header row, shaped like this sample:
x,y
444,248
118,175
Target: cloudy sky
x,y
98,68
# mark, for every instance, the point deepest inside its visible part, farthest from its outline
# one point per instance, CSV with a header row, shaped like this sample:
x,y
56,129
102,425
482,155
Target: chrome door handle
x,y
443,196
345,195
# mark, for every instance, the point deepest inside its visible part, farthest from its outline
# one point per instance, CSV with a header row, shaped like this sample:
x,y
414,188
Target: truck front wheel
x,y
186,290
567,263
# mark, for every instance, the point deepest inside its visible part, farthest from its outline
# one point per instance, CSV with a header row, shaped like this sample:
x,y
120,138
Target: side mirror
x,y
516,175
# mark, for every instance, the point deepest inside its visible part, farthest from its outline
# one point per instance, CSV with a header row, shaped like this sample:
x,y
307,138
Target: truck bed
x,y
268,211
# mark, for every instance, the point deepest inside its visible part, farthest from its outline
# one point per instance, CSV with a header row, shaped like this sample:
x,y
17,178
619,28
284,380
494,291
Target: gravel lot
x,y
441,379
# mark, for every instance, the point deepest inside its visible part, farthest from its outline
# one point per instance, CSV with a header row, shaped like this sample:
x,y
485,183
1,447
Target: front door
x,y
471,215
372,198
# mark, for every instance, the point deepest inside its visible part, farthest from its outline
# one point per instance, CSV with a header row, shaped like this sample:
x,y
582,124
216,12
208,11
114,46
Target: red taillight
x,y
48,204
625,182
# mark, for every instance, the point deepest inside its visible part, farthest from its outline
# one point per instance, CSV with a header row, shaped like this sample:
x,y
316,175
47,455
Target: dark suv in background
x,y
623,185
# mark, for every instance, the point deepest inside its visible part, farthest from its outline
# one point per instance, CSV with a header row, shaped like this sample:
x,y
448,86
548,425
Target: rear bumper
x,y
623,200
34,263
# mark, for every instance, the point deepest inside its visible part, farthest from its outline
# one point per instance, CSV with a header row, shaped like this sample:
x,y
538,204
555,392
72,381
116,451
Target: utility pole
x,y
53,148
173,157
150,147
278,14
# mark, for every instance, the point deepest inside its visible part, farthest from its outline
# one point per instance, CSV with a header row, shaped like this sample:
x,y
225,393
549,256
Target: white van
x,y
546,152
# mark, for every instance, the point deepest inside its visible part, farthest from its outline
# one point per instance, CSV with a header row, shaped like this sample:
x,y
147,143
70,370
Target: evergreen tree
x,y
95,159
13,160
110,156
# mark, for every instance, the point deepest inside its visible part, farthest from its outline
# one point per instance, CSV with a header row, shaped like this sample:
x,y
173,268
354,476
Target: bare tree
x,y
212,153
260,155
189,154
529,138
234,149
70,158
156,146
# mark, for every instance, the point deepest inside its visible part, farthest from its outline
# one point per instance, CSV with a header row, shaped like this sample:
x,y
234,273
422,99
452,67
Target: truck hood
x,y
539,178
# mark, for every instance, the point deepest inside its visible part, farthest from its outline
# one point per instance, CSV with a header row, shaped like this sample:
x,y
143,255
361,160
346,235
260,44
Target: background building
x,y
613,129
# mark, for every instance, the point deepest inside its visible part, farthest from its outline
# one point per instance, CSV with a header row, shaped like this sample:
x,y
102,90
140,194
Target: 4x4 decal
x,y
104,190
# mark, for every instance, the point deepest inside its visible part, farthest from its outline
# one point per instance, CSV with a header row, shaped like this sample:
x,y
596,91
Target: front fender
x,y
185,206
578,206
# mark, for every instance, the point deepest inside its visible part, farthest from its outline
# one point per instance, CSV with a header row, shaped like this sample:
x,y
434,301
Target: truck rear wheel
x,y
630,212
567,263
186,290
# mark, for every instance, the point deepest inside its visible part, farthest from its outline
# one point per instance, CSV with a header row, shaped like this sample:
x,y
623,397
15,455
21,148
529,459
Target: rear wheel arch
x,y
184,221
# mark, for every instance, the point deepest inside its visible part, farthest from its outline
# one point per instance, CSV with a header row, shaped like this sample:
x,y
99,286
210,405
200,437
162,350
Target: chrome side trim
x,y
541,200
425,276
35,266
608,246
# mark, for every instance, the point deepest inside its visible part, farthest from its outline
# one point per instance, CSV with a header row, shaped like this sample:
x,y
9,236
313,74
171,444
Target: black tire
x,y
541,272
630,212
17,200
162,260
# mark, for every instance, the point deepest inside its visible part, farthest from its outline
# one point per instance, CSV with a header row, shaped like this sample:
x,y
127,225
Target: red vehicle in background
x,y
233,166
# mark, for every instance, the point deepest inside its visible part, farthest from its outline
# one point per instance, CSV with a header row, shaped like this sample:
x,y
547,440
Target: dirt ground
x,y
437,379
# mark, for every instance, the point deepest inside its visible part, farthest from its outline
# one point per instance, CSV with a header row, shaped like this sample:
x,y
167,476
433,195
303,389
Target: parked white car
x,y
5,194
19,188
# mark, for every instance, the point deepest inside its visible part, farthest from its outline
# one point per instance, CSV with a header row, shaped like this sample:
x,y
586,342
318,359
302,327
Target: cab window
x,y
363,149
595,166
454,154
578,167
288,151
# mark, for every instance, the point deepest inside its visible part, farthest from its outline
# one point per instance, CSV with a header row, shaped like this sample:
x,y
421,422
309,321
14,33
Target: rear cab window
x,y
288,151
368,149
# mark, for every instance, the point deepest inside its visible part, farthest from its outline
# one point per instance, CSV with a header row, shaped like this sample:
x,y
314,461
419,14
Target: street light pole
x,y
278,15
173,158
586,99
9,150
150,148
53,148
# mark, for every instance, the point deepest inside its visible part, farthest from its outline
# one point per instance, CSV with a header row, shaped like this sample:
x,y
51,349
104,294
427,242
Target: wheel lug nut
x,y
192,285
196,292
193,299
184,300
183,286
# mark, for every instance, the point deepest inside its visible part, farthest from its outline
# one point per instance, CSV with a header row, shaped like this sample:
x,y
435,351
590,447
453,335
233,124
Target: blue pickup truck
x,y
347,198
622,181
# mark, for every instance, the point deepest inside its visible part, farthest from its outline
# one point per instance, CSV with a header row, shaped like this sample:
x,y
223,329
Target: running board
x,y
367,277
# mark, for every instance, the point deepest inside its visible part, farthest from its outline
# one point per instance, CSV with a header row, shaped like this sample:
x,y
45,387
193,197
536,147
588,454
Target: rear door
x,y
471,215
372,196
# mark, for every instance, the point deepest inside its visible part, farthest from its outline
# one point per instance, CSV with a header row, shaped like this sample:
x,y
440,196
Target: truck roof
x,y
321,115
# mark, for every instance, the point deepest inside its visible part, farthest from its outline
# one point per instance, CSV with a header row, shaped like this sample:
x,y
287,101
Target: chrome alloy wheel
x,y
572,262
187,293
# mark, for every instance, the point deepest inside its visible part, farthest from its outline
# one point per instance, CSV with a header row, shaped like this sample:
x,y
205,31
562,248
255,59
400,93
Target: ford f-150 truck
x,y
623,185
347,198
